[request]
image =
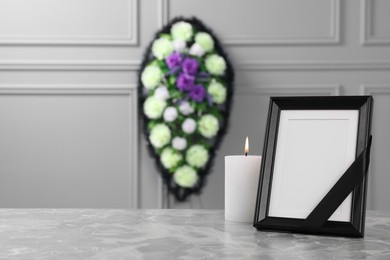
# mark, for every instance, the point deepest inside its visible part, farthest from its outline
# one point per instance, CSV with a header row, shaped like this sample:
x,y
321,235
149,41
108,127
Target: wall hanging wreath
x,y
185,91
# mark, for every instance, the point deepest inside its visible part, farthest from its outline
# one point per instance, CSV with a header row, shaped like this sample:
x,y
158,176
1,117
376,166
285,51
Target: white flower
x,y
188,126
170,158
161,93
215,64
208,126
170,114
196,50
154,107
181,31
197,156
205,41
160,135
179,143
161,48
179,45
185,176
186,108
217,91
151,76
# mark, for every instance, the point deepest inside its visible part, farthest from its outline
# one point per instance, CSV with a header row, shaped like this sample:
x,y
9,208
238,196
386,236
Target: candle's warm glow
x,y
246,149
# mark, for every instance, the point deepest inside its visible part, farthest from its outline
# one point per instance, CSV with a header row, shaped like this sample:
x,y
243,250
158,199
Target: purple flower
x,y
174,60
198,93
190,66
185,82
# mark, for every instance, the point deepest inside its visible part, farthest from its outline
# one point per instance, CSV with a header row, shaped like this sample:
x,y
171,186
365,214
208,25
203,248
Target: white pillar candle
x,y
241,181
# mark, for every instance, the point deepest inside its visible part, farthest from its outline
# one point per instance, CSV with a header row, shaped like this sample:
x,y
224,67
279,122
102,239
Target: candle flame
x,y
246,149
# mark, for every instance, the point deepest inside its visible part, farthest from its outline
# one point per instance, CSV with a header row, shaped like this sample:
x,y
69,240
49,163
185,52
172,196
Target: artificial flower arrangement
x,y
185,90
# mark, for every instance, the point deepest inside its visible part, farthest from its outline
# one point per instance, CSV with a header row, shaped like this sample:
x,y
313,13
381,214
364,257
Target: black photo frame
x,y
341,121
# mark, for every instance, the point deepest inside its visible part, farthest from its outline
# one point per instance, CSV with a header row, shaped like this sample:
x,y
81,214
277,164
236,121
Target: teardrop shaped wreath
x,y
185,90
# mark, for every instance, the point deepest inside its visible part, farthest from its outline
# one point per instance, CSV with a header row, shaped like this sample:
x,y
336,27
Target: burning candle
x,y
241,181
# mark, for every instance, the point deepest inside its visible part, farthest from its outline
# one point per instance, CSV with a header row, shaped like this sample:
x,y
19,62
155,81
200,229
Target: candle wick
x,y
246,154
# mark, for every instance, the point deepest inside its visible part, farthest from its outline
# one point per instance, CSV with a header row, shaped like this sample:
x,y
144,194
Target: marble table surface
x,y
171,234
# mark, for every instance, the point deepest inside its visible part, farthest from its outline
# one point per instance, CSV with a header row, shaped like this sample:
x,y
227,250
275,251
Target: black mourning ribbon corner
x,y
352,177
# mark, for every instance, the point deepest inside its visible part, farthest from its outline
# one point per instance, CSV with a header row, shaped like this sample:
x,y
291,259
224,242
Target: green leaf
x,y
214,111
151,124
159,151
203,67
205,144
176,94
154,62
162,65
172,80
165,35
202,107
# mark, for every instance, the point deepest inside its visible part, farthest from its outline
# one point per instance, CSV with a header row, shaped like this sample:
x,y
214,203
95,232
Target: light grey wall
x,y
65,150
68,127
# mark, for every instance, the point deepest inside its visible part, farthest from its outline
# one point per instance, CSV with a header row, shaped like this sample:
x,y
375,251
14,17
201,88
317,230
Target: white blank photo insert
x,y
314,149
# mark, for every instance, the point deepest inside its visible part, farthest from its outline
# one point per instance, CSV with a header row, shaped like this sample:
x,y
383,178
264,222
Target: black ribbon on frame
x,y
352,177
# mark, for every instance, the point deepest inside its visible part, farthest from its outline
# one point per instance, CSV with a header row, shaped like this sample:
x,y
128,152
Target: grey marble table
x,y
171,234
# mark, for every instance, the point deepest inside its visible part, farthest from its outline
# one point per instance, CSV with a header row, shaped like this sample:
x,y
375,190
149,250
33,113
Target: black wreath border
x,y
180,193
